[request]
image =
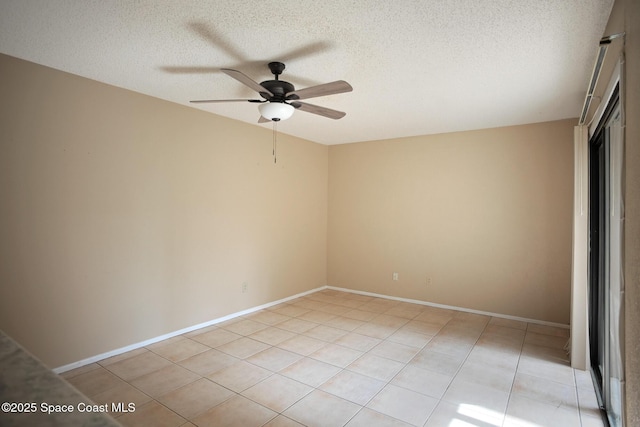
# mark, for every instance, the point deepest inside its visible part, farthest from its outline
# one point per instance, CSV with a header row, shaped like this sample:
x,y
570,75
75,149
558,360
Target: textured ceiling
x,y
417,67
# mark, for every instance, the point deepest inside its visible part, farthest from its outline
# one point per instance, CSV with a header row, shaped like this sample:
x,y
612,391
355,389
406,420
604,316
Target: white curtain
x,y
579,279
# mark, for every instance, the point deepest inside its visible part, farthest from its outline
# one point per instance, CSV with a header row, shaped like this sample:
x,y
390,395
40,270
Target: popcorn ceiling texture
x,y
417,67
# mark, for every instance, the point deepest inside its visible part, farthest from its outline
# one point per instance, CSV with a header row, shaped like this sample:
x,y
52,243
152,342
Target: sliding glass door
x,y
606,287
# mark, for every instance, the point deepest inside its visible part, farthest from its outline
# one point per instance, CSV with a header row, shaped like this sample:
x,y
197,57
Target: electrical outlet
x,y
245,287
428,281
395,276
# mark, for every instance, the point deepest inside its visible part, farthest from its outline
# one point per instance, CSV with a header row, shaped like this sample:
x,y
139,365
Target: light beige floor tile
x,y
524,412
353,387
124,393
379,305
297,325
245,327
422,327
321,409
408,311
195,398
591,421
216,337
349,302
237,411
488,375
95,381
357,341
583,379
272,336
291,310
200,331
501,342
113,359
463,414
435,316
506,331
136,366
81,370
325,333
308,304
311,372
506,360
164,380
410,338
208,362
316,316
277,392
550,370
472,317
426,382
458,335
358,297
438,362
151,414
268,317
376,367
376,331
545,390
360,314
548,330
509,323
274,359
344,323
388,320
395,351
334,309
179,350
452,347
556,355
302,344
243,347
465,392
545,340
405,405
165,342
370,418
240,376
587,402
336,355
282,421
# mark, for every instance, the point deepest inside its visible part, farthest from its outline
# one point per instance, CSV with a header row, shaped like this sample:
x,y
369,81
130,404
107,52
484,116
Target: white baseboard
x,y
150,341
450,307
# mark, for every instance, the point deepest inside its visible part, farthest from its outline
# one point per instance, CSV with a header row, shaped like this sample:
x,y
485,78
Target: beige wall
x,y
124,217
485,214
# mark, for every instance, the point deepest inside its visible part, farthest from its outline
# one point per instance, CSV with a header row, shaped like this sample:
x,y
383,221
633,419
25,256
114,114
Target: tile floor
x,y
341,359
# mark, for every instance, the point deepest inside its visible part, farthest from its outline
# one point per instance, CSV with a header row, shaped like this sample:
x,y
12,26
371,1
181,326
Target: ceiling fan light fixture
x,y
276,111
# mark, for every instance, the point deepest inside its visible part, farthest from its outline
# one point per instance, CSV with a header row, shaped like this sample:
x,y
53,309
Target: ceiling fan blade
x,y
202,101
339,86
263,120
321,111
245,80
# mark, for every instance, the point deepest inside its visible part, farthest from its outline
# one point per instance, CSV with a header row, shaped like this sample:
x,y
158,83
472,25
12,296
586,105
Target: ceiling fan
x,y
281,99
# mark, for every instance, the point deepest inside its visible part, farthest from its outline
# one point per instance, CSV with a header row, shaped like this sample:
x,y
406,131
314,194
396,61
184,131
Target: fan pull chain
x,y
275,142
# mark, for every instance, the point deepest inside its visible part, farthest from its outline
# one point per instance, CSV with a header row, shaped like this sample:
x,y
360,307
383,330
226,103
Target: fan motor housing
x,y
279,88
